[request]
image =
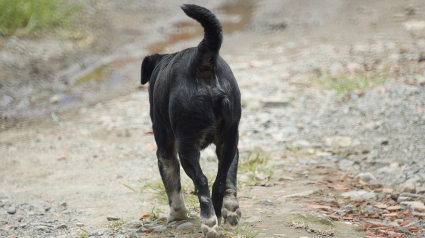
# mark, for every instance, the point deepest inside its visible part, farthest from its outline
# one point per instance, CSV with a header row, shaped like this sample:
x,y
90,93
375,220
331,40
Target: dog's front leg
x,y
189,157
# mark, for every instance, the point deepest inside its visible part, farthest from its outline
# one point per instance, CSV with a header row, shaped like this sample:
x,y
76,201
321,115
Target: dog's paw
x,y
231,211
174,215
210,227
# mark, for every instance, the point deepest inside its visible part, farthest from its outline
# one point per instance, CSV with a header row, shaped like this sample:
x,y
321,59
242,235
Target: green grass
x,y
256,165
346,83
24,17
154,214
241,231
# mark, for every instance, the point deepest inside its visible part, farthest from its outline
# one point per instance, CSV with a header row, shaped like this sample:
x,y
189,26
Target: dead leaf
x,y
393,214
394,208
61,158
312,206
380,206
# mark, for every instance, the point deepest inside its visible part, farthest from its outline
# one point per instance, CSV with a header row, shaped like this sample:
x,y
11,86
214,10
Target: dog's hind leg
x,y
189,156
224,189
169,168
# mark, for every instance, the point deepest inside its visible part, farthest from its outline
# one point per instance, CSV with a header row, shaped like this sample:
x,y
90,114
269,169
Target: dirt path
x,y
64,173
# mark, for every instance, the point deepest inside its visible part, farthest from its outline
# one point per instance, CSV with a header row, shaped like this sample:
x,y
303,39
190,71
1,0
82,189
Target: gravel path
x,y
65,174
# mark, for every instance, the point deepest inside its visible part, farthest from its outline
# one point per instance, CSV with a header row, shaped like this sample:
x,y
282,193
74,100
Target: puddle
x,y
233,16
114,76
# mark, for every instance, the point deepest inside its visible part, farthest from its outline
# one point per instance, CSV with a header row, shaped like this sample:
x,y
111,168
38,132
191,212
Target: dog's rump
x,y
209,47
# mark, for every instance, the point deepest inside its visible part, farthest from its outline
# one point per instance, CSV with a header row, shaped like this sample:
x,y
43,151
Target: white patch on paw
x,y
210,227
231,211
178,210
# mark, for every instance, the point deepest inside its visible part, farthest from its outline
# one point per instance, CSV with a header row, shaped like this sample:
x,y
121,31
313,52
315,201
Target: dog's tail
x,y
209,47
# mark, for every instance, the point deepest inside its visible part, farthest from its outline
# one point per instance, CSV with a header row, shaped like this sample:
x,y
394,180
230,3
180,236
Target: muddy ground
x,y
76,145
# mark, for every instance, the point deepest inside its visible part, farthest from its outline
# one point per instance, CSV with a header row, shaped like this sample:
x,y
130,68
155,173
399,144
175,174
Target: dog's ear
x,y
148,65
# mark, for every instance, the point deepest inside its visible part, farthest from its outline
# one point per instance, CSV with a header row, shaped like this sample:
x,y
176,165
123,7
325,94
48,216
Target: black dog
x,y
195,101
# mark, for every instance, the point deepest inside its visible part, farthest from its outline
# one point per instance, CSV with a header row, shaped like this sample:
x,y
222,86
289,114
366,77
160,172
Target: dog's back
x,y
195,101
204,90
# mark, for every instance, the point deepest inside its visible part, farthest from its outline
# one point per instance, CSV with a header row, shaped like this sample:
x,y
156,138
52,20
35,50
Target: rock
x,y
360,194
275,102
256,64
62,226
133,224
402,199
414,25
150,224
55,99
367,178
253,219
409,186
417,206
100,232
266,202
42,228
159,228
1,203
11,210
120,236
112,218
420,79
184,225
337,141
301,144
79,224
300,194
349,207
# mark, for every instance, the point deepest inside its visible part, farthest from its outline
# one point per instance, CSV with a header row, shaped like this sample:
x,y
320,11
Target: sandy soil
x,y
98,142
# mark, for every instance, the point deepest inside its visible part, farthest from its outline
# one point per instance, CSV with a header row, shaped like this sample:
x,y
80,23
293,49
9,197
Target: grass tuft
x,y
24,17
241,231
255,164
346,83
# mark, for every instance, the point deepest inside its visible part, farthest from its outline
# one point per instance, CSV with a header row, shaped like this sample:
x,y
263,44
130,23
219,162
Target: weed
x,y
115,225
242,231
155,213
302,222
83,233
256,165
129,187
346,83
23,17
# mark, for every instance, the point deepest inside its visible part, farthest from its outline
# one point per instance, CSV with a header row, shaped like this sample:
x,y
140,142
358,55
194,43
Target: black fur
x,y
195,101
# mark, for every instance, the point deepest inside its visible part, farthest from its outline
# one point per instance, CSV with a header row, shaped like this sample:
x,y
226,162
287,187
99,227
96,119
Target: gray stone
x,y
184,226
349,207
100,232
79,224
150,224
11,210
301,144
275,102
367,177
337,141
266,202
120,236
252,219
42,228
159,228
409,186
133,224
112,218
361,194
1,203
420,79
